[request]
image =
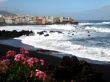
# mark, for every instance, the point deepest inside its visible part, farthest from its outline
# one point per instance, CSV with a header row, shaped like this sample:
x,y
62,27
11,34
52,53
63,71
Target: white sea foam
x,y
18,28
62,41
98,29
88,23
65,27
105,22
82,24
94,53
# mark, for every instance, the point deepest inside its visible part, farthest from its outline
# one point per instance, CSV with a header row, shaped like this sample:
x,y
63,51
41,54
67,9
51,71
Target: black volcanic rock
x,y
41,33
59,32
11,34
46,35
52,31
55,31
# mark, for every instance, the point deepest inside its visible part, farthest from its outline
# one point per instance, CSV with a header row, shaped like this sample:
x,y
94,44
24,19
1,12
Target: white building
x,y
50,19
8,21
1,15
2,21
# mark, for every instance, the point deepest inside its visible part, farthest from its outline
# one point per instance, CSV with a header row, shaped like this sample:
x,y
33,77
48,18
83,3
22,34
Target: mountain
x,y
95,14
6,13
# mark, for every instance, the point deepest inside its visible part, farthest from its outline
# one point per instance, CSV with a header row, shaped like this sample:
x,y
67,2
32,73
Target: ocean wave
x,y
93,53
57,27
88,23
97,29
105,22
63,27
62,41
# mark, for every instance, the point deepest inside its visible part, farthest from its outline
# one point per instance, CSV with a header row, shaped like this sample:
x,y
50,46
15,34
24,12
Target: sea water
x,y
90,39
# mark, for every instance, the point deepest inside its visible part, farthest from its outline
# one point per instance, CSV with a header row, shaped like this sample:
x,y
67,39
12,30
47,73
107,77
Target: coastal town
x,y
35,20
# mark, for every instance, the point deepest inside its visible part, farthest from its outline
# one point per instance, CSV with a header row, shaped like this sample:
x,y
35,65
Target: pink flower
x,y
24,60
3,57
35,60
24,51
42,62
31,61
40,74
19,57
72,80
6,61
10,53
21,50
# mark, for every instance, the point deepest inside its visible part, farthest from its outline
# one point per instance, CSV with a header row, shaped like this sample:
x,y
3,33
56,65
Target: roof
x,y
1,15
1,19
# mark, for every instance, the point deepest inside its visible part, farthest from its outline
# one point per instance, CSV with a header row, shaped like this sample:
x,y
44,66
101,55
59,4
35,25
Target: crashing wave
x,y
88,23
63,41
97,29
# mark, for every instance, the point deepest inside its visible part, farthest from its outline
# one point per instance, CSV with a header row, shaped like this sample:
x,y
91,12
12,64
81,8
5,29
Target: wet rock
x,y
46,35
11,34
59,32
41,33
52,31
55,31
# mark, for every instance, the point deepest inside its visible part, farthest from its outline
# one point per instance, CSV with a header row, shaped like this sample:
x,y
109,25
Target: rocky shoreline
x,y
58,66
11,34
74,23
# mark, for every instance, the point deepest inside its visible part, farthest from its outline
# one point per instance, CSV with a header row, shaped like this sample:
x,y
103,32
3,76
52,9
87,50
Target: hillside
x,y
6,13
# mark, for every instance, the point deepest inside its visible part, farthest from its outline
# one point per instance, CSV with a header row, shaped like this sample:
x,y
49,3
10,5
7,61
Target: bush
x,y
20,67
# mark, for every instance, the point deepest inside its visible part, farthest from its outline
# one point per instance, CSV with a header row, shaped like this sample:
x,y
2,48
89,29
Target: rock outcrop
x,y
11,34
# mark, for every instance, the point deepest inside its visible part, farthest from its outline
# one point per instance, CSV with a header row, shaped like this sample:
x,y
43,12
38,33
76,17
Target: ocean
x,y
88,39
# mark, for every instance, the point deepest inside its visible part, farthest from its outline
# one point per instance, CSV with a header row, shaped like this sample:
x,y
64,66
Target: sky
x,y
51,7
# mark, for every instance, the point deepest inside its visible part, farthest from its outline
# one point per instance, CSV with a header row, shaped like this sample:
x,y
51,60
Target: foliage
x,y
16,67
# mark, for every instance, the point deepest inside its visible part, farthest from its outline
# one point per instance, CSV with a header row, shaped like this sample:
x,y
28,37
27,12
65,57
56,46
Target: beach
x,y
46,55
53,42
